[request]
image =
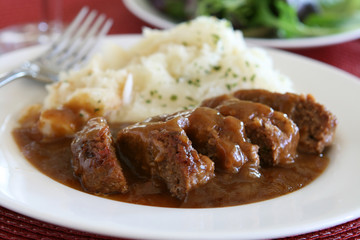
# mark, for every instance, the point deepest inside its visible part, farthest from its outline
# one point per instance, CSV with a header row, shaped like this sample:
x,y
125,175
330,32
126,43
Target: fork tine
x,y
72,48
89,43
70,43
79,41
74,24
76,44
105,29
82,30
58,44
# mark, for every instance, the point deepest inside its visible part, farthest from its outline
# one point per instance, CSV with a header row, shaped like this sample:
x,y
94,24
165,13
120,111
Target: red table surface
x,y
345,56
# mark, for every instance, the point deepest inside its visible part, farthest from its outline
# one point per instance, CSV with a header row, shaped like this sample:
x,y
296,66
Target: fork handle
x,y
10,76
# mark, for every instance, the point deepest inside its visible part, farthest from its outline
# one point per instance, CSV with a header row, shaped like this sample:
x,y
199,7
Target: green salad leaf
x,y
330,19
274,18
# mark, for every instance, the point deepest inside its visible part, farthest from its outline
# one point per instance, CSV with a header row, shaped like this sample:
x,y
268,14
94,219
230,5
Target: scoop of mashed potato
x,y
166,71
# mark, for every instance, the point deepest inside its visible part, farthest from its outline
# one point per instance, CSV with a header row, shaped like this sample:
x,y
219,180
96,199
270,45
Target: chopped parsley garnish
x,y
230,86
196,82
190,98
227,72
173,97
153,92
216,68
216,38
252,78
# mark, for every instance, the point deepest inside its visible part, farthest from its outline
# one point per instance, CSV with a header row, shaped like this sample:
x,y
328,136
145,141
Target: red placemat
x,y
344,56
17,226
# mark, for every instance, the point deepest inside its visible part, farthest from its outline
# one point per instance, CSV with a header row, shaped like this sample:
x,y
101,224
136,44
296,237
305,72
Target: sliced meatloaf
x,y
316,124
163,150
94,159
275,134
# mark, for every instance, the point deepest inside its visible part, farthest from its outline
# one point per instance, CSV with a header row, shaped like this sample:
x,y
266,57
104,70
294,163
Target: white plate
x,y
331,199
143,10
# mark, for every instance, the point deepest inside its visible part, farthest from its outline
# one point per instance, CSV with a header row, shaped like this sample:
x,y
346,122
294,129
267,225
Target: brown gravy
x,y
53,158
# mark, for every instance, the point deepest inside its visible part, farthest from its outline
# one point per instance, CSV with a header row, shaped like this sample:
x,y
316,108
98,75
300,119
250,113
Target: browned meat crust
x,y
233,133
163,150
276,135
223,140
316,124
94,159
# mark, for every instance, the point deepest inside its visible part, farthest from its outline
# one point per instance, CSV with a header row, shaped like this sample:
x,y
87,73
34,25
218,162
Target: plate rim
x,y
26,211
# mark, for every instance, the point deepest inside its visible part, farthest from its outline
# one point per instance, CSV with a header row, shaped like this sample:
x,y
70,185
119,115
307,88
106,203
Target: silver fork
x,y
70,50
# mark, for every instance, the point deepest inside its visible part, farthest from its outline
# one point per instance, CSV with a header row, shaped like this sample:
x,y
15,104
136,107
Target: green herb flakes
x,y
153,92
190,98
173,97
252,78
230,86
216,38
216,68
195,82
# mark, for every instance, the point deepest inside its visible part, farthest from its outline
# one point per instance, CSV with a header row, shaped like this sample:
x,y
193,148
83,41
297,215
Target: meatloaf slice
x,y
223,140
94,159
275,134
163,150
316,124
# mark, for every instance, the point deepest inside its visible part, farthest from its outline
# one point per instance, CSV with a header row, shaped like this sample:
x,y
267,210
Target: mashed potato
x,y
165,71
